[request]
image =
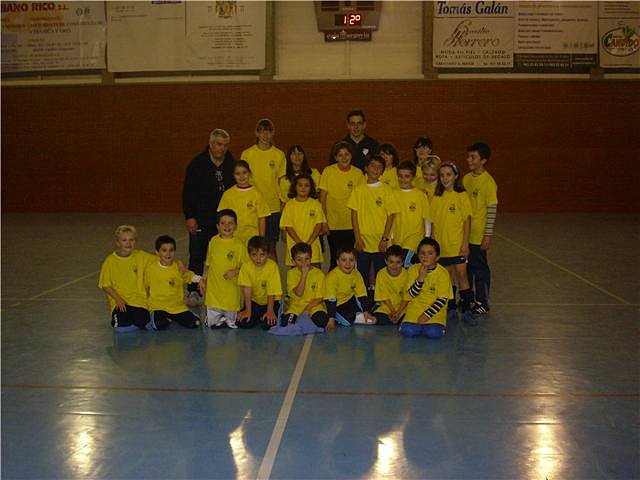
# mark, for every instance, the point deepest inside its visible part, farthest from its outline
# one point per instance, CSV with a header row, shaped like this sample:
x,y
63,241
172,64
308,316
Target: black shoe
x,y
480,308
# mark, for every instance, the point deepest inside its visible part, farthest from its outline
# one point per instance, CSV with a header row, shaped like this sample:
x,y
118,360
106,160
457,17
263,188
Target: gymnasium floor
x,y
546,387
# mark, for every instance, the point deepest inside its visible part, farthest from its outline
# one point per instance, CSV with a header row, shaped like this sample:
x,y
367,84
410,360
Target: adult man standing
x,y
208,175
363,145
268,165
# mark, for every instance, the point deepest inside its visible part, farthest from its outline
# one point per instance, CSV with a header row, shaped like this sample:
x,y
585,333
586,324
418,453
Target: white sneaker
x,y
360,318
230,323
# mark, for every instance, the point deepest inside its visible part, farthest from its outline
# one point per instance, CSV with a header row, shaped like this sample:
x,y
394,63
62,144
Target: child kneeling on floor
x,y
165,281
428,292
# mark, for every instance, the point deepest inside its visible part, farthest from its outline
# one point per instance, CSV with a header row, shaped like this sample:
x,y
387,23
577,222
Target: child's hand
x,y
243,315
228,275
486,241
331,325
324,230
423,318
370,318
394,317
181,268
424,270
270,317
464,250
121,305
202,286
359,244
382,245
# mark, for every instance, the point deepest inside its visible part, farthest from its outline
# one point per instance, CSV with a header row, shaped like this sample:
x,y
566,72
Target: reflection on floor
x,y
545,387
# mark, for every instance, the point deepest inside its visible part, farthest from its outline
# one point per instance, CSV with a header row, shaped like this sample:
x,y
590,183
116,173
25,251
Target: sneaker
x,y
230,323
194,299
469,319
480,308
360,318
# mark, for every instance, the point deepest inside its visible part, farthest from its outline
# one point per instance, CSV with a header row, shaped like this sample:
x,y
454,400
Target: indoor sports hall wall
x,y
559,146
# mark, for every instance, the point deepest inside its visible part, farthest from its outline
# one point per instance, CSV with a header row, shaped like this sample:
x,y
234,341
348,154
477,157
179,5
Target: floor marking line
x,y
264,472
66,284
341,393
564,269
551,304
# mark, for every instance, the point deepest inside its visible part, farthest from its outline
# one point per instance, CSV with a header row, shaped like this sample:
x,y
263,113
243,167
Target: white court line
x,y
566,270
66,284
70,282
276,436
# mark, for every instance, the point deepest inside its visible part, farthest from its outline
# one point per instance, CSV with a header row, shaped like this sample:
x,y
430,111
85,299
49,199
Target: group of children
x,y
411,226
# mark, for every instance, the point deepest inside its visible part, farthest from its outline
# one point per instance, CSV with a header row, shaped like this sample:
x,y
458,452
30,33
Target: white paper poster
x,y
226,35
38,36
556,36
146,36
619,32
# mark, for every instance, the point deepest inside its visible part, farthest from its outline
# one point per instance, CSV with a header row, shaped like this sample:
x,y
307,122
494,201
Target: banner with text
x,y
39,36
518,37
619,32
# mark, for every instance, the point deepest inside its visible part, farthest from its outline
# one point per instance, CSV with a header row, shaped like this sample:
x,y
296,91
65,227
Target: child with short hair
x,y
451,215
247,202
483,195
412,223
373,209
305,286
261,287
165,281
122,278
390,286
344,292
219,284
303,217
428,290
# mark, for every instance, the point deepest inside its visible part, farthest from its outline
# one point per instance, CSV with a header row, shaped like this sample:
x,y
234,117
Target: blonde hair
x,y
433,161
126,229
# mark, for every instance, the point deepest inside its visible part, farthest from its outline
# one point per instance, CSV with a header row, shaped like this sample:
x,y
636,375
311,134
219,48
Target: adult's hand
x,y
192,225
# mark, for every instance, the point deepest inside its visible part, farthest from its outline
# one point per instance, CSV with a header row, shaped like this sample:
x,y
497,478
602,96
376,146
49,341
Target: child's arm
x,y
356,231
323,202
262,226
464,248
434,308
270,316
121,304
247,292
229,274
202,284
399,311
311,305
488,228
384,241
315,234
299,288
292,233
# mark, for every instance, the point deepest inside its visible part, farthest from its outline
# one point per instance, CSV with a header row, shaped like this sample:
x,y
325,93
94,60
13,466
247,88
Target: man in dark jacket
x,y
363,145
208,175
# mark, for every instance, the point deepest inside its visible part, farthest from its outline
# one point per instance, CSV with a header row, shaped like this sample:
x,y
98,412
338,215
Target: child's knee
x,y
410,329
434,330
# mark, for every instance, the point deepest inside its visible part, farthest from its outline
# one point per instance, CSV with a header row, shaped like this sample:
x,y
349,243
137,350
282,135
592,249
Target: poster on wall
x,y
146,36
473,35
556,37
38,36
226,35
619,33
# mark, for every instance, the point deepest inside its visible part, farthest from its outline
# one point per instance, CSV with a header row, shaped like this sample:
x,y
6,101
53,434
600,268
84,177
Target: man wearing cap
x,y
268,164
208,175
363,145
